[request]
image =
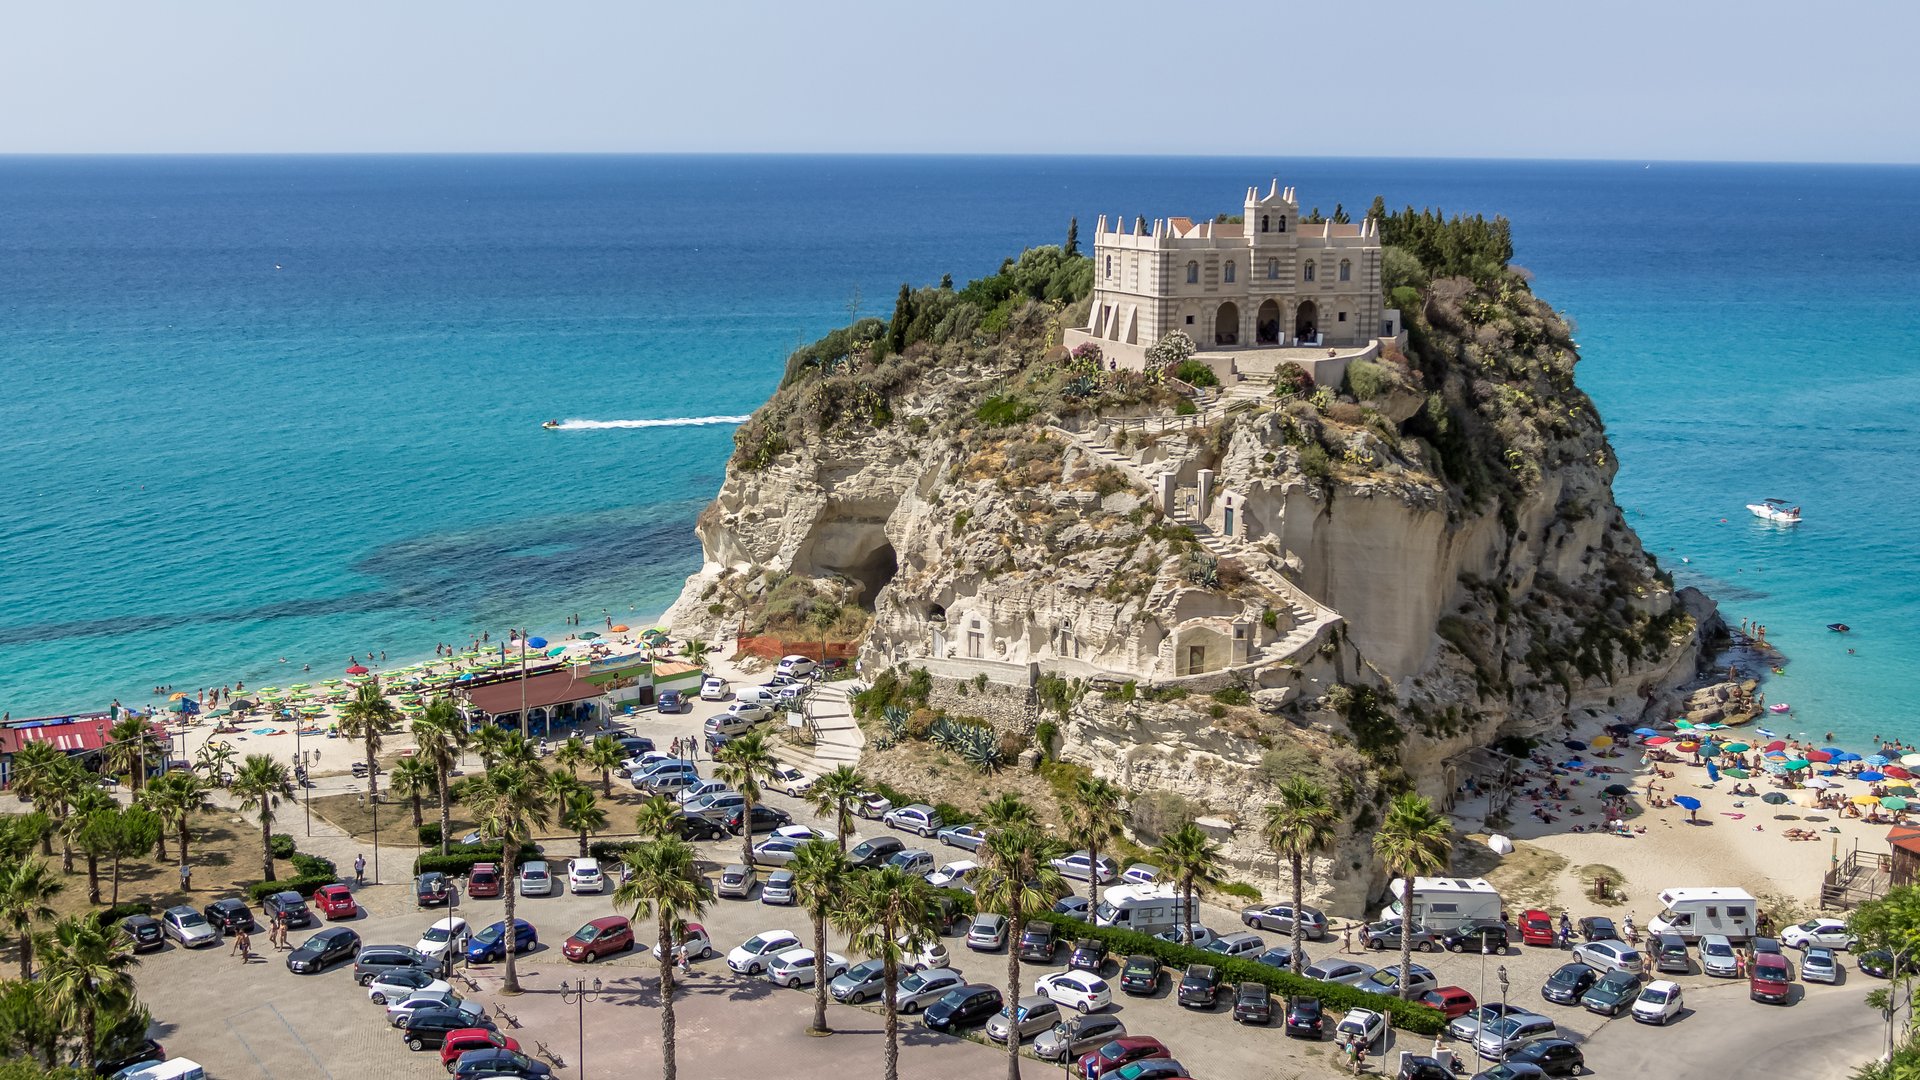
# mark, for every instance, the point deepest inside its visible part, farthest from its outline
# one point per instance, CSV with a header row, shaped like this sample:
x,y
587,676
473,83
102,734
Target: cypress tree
x,y
1073,237
902,315
1340,215
946,281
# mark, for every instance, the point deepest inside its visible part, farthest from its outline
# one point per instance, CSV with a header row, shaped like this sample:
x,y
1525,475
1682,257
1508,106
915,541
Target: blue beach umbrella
x,y
536,643
556,650
1708,748
1870,776
1845,756
1879,759
1687,801
1832,752
1645,732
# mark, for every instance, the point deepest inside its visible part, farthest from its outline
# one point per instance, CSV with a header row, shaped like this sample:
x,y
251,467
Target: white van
x,y
1695,913
759,695
171,1069
1444,904
1144,909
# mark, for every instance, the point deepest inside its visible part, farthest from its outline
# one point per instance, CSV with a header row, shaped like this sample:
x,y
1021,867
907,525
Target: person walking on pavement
x,y
1346,939
360,869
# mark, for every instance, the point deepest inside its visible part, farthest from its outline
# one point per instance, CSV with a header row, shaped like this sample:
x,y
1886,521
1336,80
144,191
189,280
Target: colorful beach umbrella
x,y
1817,782
1879,759
557,650
1687,801
1844,756
1645,732
1658,740
1774,798
1601,742
1797,764
1776,744
1894,802
1615,790
1736,748
1870,776
1737,774
356,670
1866,800
1905,790
1819,755
1910,759
1897,772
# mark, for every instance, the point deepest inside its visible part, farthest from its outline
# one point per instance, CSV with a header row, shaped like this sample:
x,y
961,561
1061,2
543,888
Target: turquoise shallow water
x,y
266,407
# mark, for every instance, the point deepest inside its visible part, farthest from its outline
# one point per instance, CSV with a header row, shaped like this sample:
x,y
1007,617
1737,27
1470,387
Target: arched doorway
x,y
1306,321
1226,325
1266,324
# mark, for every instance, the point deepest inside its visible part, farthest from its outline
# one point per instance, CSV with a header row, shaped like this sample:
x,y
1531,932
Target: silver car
x,y
1032,1015
988,932
1078,1035
1344,972
190,928
778,888
1820,965
775,851
1717,957
923,988
863,981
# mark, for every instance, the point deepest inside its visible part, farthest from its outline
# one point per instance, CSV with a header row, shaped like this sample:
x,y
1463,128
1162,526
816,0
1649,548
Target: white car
x,y
535,880
1820,965
1201,937
927,957
751,711
1658,1002
872,806
793,968
715,688
694,942
403,983
923,988
797,666
703,789
800,834
1365,1024
919,819
448,933
1075,990
584,876
398,1008
1609,955
952,875
750,957
1824,933
790,780
1141,874
1079,866
775,851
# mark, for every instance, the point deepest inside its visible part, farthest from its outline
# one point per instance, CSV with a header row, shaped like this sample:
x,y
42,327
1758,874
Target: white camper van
x,y
1696,912
1444,904
1145,909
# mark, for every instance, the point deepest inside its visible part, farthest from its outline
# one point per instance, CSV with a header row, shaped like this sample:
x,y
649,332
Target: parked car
x,y
1280,956
1820,965
1364,1026
988,932
144,932
1569,983
1452,1001
1598,928
969,836
335,902
188,927
1553,1056
1118,1054
751,956
700,791
401,1005
1467,1025
323,950
797,666
1669,953
778,888
1140,873
1242,945
922,988
1195,935
1080,866
715,805
1615,991
736,882
1486,938
672,701
1199,986
1279,919
483,881
1659,1003
928,954
1387,980
1756,946
1771,979
429,1028
584,876
402,983
715,688
875,851
919,819
1511,1070
432,889
953,875
1038,942
794,968
1825,933
1306,1018
1536,928
1140,975
1161,1068
288,908
699,828
1073,907
1386,935
459,1042
864,980
491,943
228,914
765,819
1498,1038
1252,1003
692,942
1075,1035
872,805
1075,990
1609,955
535,878
962,1007
501,1062
447,934
374,961
1718,959
604,936
1344,972
1026,1018
911,861
790,781
1422,1067
1089,954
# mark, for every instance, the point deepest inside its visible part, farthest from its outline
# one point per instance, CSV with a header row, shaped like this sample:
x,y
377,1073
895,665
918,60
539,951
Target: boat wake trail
x,y
678,421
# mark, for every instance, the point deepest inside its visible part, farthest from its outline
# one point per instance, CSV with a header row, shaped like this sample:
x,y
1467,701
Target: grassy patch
x,y
1526,877
1616,884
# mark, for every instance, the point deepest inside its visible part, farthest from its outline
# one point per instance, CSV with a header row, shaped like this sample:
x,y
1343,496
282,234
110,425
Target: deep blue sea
x,y
258,408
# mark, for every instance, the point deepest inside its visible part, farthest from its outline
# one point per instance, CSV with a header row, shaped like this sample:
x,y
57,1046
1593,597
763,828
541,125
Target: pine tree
x,y
902,315
1378,211
1340,215
946,281
1073,237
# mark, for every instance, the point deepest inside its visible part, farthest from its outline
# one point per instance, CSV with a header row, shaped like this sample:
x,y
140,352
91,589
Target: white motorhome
x,y
1696,912
1443,904
1145,909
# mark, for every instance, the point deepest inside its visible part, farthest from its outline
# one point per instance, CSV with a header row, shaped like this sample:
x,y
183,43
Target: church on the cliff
x,y
1268,281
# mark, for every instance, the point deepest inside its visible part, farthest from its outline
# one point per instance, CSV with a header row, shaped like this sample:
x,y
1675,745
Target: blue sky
x,y
1684,79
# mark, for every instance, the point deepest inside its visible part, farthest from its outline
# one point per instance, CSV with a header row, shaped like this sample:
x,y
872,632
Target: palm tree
x,y
87,971
26,887
1006,811
663,882
1414,839
177,796
517,749
366,717
214,757
1301,825
1020,883
489,741
658,819
509,801
742,763
82,829
571,755
580,813
130,745
605,755
837,793
696,650
889,914
1093,818
1194,860
441,735
414,778
28,1028
821,875
44,775
260,785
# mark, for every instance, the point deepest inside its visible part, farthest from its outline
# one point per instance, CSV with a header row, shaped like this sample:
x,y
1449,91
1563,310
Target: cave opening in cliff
x,y
873,571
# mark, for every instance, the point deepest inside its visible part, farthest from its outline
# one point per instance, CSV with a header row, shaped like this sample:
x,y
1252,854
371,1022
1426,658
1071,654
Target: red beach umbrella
x,y
1658,740
1896,772
356,670
1818,755
1777,744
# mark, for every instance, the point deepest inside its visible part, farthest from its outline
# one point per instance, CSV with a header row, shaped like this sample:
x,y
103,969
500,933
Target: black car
x,y
1414,1067
376,960
1252,1004
323,950
876,851
1200,986
1555,1057
1038,942
1669,952
1613,993
1089,954
146,1051
1140,975
498,1061
288,908
694,827
1879,963
1598,928
1305,1018
229,915
1482,937
1569,984
432,889
964,1006
144,932
427,1028
765,819
1280,956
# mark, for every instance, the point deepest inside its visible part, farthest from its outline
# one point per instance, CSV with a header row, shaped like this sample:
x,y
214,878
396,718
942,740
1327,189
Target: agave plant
x,y
980,748
896,718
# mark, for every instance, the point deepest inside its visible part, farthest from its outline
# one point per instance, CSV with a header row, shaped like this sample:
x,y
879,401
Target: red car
x,y
1772,979
483,880
335,902
1536,928
1452,1000
464,1039
604,936
1111,1057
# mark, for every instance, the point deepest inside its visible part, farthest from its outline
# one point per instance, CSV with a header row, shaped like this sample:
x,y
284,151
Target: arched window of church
x,y
1227,274
1193,273
1273,269
1346,270
1263,224
1306,272
1282,224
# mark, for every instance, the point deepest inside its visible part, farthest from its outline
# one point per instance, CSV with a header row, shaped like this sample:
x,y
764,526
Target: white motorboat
x,y
1775,510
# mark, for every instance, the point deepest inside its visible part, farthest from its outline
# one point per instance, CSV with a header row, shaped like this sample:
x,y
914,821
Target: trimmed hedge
x,y
307,866
430,834
110,916
281,845
305,886
1406,1015
459,860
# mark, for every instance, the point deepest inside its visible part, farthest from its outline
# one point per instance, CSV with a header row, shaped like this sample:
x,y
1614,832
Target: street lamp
x,y
1503,987
578,995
